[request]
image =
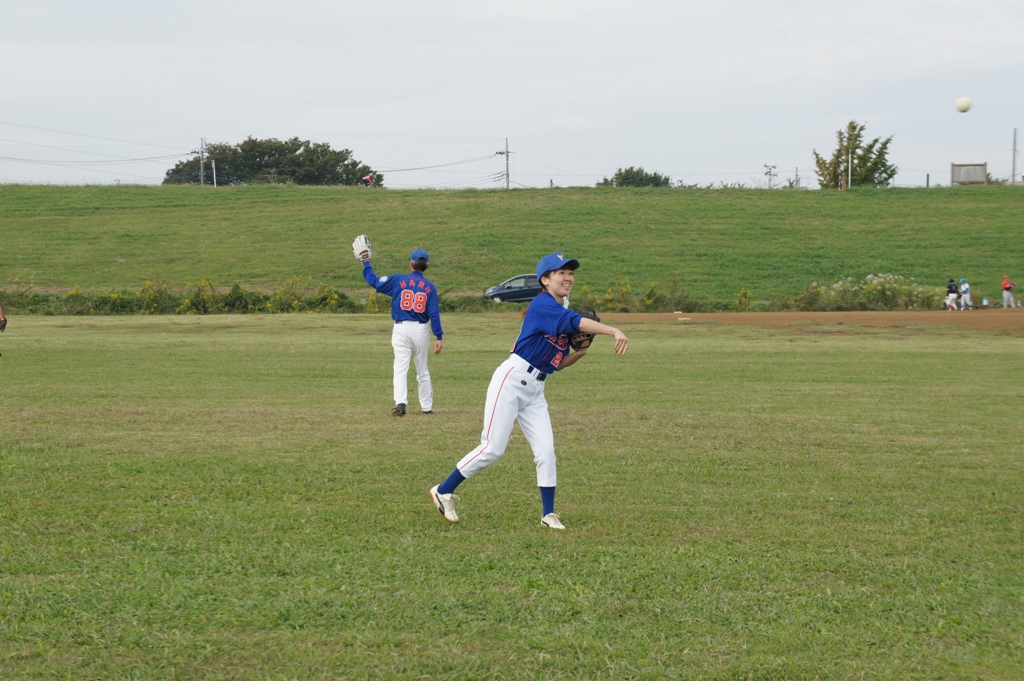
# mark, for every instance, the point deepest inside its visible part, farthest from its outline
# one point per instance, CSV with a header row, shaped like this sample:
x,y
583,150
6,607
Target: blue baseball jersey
x,y
413,297
544,338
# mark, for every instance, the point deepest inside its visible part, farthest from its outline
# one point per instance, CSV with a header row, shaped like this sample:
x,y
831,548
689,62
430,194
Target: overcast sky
x,y
427,91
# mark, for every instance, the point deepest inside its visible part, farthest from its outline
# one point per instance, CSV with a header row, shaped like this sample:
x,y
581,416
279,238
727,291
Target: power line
x,y
440,165
91,163
78,134
91,170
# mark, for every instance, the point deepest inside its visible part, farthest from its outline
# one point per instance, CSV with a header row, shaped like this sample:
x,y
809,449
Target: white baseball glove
x,y
361,248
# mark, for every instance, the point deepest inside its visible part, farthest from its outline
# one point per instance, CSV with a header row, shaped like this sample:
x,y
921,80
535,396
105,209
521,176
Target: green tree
x,y
855,163
271,161
635,177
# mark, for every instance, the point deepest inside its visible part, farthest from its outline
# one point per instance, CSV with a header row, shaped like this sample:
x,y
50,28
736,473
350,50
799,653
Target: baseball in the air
x,y
963,105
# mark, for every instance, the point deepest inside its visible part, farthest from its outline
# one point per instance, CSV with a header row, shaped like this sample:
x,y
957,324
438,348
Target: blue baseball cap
x,y
418,254
555,261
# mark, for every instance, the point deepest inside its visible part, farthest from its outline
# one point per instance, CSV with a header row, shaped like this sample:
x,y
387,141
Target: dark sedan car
x,y
519,289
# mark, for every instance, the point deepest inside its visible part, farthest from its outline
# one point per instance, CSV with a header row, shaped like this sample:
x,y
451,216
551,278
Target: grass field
x,y
711,244
228,498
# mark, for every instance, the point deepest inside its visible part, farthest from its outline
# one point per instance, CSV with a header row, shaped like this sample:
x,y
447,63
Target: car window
x,y
532,281
518,282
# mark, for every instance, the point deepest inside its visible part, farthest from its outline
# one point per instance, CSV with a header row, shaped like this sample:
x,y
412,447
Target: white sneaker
x,y
551,520
445,505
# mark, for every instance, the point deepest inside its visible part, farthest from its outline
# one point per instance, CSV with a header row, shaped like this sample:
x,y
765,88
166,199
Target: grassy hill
x,y
710,243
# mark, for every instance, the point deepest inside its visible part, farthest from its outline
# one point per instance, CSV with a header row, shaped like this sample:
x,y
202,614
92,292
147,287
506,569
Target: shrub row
x,y
298,294
302,294
875,292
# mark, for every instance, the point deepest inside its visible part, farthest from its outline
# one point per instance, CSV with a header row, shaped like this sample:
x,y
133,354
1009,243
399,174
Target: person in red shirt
x,y
1008,291
3,320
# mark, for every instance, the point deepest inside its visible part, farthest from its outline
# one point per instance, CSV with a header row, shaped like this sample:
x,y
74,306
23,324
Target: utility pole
x,y
1013,172
505,154
202,161
770,172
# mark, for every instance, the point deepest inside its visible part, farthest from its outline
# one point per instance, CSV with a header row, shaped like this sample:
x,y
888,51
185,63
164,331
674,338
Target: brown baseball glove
x,y
581,340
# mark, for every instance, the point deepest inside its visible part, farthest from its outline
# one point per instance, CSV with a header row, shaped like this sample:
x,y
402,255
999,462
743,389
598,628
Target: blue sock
x,y
453,481
547,499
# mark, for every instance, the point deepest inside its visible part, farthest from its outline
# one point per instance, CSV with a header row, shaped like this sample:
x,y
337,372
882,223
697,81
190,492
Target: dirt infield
x,y
996,319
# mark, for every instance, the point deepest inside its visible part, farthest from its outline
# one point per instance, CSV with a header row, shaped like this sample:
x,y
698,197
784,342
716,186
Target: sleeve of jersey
x,y
369,275
382,284
434,311
571,322
560,321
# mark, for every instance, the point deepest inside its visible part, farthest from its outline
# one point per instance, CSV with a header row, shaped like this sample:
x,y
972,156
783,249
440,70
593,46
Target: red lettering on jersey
x,y
560,342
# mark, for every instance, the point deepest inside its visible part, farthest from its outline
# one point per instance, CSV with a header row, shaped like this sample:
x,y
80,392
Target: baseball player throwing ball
x,y
516,392
414,303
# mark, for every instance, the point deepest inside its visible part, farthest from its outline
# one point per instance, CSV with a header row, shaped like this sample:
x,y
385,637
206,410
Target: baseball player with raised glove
x,y
414,305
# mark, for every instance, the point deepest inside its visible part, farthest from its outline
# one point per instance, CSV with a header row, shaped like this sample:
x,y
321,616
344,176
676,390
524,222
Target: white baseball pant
x,y
411,341
965,301
1007,298
515,394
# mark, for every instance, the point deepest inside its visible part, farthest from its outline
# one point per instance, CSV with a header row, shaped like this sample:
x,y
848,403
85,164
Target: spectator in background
x,y
965,295
1008,291
952,292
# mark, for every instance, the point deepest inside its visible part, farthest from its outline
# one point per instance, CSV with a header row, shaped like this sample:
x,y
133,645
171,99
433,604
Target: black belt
x,y
408,321
541,376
